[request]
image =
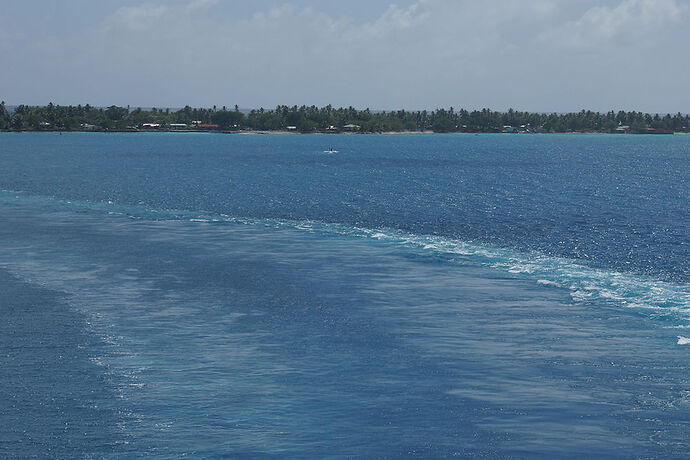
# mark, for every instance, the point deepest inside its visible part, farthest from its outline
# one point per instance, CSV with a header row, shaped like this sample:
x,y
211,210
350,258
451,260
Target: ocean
x,y
408,296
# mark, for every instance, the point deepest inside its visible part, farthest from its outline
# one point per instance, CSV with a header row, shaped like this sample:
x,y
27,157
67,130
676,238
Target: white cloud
x,y
200,5
631,22
150,15
534,55
142,17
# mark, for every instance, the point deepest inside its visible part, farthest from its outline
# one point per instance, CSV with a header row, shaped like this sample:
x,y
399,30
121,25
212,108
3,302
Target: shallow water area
x,y
198,330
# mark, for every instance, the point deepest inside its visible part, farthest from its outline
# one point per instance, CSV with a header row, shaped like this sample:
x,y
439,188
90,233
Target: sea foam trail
x,y
661,299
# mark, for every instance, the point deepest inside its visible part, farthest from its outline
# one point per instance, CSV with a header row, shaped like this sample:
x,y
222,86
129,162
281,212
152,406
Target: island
x,y
328,119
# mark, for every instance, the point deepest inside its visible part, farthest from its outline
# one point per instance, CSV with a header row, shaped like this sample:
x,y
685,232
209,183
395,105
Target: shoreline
x,y
349,133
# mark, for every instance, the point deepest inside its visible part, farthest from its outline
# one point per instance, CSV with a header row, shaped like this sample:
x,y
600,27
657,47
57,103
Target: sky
x,y
534,55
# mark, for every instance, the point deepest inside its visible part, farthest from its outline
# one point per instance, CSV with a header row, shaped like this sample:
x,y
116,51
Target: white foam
x,y
548,283
580,295
586,284
683,340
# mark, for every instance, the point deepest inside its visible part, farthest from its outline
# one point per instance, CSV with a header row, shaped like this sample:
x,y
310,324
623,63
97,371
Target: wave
x,y
660,299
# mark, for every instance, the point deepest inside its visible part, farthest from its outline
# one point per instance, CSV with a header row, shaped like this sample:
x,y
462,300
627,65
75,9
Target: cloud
x,y
200,5
142,17
150,15
631,22
535,55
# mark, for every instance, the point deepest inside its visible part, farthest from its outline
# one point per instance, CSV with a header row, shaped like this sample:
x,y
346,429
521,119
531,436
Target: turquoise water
x,y
409,296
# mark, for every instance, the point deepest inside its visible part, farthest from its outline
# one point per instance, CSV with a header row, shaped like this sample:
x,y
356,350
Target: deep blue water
x,y
428,296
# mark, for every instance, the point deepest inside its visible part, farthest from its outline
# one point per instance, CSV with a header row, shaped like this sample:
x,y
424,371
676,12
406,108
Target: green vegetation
x,y
330,119
4,116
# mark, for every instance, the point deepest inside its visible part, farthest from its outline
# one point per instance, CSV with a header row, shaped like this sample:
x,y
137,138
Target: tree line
x,y
329,119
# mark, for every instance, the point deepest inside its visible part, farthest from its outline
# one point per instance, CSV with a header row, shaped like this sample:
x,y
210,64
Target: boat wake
x,y
659,299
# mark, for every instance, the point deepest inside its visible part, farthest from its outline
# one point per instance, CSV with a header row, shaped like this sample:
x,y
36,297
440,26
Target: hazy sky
x,y
537,55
